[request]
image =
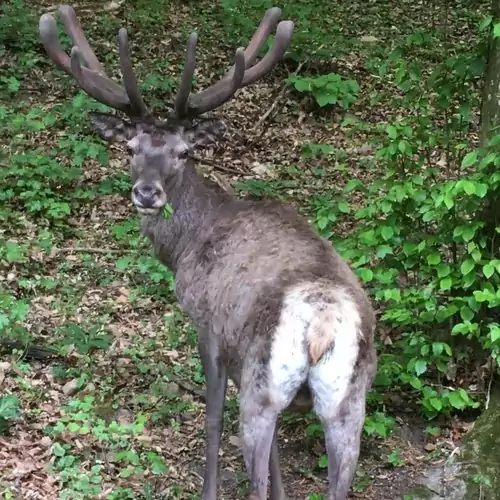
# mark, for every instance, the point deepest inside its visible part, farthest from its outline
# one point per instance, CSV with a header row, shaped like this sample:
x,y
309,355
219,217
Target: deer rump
x,y
271,291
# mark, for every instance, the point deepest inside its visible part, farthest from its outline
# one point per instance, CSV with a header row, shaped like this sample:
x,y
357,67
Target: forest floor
x,y
115,410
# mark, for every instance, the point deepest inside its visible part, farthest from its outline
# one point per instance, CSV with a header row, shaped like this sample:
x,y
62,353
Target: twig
x,y
190,388
29,351
488,394
216,164
266,115
90,250
223,183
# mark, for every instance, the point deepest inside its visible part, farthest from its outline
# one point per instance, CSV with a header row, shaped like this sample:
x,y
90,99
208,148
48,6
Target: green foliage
x,y
327,89
379,423
394,458
419,242
9,409
13,311
17,25
84,340
81,480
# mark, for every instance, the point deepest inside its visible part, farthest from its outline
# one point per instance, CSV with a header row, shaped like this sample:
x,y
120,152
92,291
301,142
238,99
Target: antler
x,y
93,79
243,73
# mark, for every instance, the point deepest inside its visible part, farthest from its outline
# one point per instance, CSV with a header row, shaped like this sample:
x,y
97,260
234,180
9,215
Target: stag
x,y
276,308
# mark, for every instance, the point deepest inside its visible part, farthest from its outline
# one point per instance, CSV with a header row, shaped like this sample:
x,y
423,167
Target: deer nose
x,y
145,196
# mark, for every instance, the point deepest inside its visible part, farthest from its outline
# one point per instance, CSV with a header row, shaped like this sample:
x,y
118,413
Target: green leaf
x,y
469,187
420,366
466,313
4,320
468,233
365,274
168,211
9,406
443,270
302,84
494,332
445,284
485,23
344,207
437,348
391,131
387,232
456,400
352,185
325,99
467,266
58,450
409,248
384,250
496,30
433,258
323,462
469,159
449,201
488,270
436,403
481,190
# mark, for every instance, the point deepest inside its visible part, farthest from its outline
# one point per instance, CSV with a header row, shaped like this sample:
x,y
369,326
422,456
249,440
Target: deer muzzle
x,y
148,198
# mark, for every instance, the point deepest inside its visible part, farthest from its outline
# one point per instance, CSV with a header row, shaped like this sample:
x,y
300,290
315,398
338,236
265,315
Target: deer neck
x,y
192,202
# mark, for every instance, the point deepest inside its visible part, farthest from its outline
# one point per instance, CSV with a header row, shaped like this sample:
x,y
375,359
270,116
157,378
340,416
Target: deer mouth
x,y
149,199
148,211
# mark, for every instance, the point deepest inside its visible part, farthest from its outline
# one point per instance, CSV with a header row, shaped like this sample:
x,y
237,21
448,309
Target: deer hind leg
x,y
342,441
277,488
263,397
339,390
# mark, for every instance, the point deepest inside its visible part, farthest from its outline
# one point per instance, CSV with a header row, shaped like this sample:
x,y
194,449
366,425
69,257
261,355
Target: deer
x,y
276,309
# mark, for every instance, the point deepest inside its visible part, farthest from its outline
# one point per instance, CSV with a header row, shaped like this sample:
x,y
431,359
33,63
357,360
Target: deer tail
x,y
321,334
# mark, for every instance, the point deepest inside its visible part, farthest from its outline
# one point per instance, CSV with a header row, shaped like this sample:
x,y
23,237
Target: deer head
x,y
160,150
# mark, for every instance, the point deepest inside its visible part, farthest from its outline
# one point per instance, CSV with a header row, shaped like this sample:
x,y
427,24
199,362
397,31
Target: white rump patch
x,y
289,364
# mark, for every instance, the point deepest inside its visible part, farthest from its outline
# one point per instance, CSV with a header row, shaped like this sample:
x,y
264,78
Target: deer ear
x,y
206,132
112,128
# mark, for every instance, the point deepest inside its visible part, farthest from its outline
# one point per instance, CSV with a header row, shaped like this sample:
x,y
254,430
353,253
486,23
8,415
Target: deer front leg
x,y
216,384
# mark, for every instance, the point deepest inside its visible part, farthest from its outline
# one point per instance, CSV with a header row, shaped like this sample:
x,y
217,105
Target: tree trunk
x,y
490,118
490,110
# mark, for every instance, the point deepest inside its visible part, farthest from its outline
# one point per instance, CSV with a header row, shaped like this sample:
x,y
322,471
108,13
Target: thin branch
x,y
488,394
187,386
91,250
280,95
29,350
216,164
224,184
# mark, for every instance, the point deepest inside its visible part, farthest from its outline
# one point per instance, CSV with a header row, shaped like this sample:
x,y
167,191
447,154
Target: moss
x,y
481,454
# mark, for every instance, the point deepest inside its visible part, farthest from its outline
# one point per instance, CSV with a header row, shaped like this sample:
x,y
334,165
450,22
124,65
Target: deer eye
x,y
184,154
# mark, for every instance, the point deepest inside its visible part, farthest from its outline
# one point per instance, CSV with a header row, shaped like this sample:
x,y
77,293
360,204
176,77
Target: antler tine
x,y
93,80
239,76
281,42
100,87
137,105
217,94
47,28
75,32
267,24
181,100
